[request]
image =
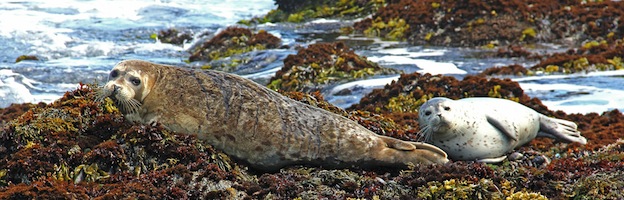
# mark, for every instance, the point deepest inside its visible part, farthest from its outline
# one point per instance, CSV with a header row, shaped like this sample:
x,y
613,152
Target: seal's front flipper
x,y
560,129
504,127
492,160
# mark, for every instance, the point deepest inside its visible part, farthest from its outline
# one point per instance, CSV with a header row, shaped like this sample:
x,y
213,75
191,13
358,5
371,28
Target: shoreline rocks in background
x,y
26,57
590,57
231,42
497,23
322,64
300,11
173,36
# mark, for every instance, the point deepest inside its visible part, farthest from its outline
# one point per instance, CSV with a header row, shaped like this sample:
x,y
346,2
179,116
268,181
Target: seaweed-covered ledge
x,y
321,64
495,23
231,42
78,148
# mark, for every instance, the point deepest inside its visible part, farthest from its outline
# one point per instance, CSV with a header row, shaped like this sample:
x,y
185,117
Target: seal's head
x,y
128,84
436,116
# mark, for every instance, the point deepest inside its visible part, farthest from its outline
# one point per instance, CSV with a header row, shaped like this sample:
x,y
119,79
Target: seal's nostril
x,y
116,88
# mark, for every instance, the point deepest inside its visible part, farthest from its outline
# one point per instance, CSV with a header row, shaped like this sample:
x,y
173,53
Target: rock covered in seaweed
x,y
322,64
299,11
77,148
592,56
495,22
231,41
173,36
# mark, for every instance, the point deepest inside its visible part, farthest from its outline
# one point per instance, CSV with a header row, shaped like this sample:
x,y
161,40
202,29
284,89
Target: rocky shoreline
x,y
76,148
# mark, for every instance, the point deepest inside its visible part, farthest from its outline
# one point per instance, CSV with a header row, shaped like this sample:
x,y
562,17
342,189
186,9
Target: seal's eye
x,y
135,81
114,74
427,113
447,108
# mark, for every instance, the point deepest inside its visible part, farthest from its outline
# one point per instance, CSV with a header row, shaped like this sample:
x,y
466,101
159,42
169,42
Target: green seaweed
x,y
528,33
394,29
406,103
459,189
321,9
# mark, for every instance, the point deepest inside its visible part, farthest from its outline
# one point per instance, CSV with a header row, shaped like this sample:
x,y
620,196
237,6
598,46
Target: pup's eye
x,y
114,74
447,108
135,81
427,113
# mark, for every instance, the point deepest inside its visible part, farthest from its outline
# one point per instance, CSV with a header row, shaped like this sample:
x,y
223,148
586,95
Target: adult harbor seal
x,y
251,122
484,129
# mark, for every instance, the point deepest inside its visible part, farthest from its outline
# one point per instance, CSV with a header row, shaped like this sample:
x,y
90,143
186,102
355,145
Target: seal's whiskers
x,y
129,106
424,134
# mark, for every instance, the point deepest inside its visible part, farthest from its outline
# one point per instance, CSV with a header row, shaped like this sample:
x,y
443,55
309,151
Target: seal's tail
x,y
561,129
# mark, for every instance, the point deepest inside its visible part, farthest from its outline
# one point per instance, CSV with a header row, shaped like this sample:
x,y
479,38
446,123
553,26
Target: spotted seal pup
x,y
251,122
485,129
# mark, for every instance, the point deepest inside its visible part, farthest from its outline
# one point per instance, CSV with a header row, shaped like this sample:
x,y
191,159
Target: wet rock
x,y
174,36
25,57
515,156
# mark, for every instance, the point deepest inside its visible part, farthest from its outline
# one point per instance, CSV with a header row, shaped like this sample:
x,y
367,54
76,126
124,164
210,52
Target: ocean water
x,y
79,41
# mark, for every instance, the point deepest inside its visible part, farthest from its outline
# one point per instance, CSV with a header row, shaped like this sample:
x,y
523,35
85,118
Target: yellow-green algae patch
x,y
300,11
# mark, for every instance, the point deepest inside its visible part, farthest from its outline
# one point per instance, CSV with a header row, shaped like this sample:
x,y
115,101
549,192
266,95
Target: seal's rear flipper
x,y
429,147
415,152
560,129
397,144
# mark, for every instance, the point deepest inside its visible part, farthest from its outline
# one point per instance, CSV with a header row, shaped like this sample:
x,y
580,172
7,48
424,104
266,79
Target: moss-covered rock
x,y
300,11
495,22
322,64
16,110
173,36
26,57
77,148
592,56
232,41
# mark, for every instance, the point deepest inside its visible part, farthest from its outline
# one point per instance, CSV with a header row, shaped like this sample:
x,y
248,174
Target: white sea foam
x,y
403,57
589,74
368,83
13,88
